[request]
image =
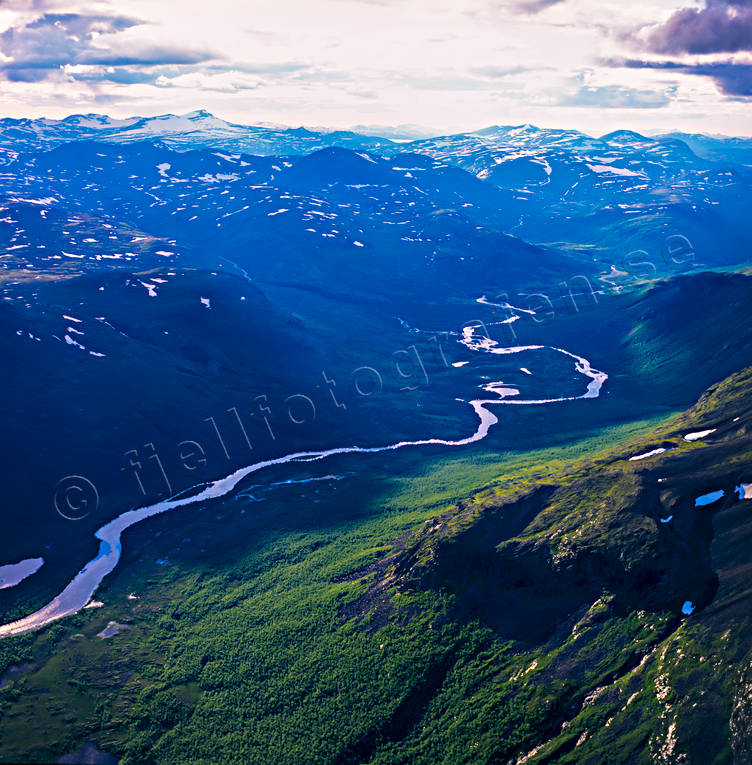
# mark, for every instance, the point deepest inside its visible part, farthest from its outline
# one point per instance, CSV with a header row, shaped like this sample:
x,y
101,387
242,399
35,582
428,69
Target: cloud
x,y
39,49
448,82
722,26
534,6
272,68
56,38
731,78
224,82
719,27
30,5
616,97
499,72
115,75
231,78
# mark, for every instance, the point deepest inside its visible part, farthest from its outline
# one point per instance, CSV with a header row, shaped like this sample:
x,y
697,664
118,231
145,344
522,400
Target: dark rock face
x,y
525,567
741,720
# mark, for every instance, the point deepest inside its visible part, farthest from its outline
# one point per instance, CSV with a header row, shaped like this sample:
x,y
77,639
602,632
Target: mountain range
x,y
451,416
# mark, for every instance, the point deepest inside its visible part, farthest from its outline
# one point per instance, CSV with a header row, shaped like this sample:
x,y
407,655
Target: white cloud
x,y
222,82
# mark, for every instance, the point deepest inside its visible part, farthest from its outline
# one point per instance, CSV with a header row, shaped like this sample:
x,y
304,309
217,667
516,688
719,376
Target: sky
x,y
437,65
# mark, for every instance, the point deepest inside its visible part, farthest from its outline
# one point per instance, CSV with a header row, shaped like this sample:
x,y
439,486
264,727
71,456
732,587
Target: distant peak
x,y
624,135
199,114
75,118
507,129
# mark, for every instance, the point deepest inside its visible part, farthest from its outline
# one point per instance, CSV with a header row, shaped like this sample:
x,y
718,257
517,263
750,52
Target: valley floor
x,y
382,634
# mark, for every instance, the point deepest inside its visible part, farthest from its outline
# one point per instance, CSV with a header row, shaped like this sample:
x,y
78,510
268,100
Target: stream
x,y
82,587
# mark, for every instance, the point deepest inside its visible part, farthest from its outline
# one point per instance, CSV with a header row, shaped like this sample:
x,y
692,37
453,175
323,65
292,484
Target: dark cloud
x,y
719,27
39,48
534,6
56,38
616,97
149,55
731,78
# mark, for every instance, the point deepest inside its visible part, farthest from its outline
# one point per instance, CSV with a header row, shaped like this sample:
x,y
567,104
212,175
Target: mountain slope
x,y
443,641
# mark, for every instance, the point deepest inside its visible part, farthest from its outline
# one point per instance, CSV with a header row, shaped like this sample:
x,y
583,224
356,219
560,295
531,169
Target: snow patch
x,y
709,498
647,454
699,434
744,490
600,169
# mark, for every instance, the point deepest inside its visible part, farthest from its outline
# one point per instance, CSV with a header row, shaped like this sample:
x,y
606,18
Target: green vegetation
x,y
377,630
427,605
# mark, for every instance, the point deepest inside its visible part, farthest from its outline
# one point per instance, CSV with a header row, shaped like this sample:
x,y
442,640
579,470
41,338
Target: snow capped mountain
x,y
485,152
93,121
200,124
198,129
600,197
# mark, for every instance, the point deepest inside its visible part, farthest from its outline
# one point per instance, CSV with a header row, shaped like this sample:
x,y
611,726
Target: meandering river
x,y
83,586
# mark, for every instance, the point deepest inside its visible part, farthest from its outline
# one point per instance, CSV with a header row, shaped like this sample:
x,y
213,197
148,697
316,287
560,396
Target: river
x,y
82,587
